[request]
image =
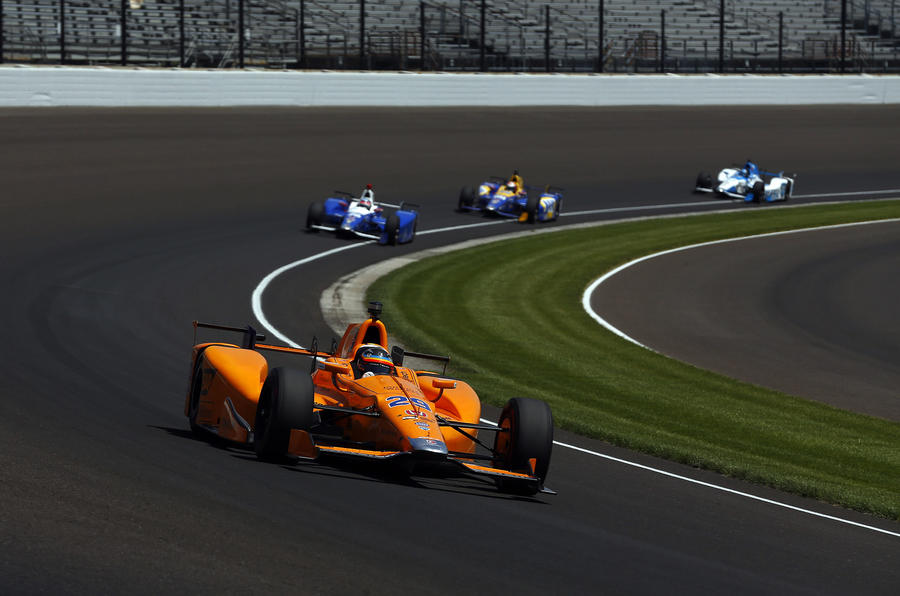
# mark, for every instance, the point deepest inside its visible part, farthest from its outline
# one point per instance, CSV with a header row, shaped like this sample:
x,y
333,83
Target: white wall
x,y
89,86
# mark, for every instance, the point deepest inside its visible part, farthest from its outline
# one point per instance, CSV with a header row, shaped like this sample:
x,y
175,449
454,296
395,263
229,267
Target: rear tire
x,y
531,208
789,188
285,402
466,198
392,229
194,404
759,192
314,216
529,436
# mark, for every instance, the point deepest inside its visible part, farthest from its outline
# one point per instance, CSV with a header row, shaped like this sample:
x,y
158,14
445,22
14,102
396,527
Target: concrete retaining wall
x,y
90,86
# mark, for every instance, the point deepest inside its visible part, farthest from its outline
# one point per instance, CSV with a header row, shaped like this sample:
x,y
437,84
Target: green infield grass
x,y
509,314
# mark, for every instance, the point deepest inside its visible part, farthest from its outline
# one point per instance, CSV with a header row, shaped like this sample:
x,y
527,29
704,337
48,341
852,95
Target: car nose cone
x,y
428,448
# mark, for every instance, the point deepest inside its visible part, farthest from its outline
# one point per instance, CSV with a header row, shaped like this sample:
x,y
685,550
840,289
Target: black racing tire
x,y
392,229
529,436
314,215
759,192
531,208
466,198
285,402
704,180
194,403
789,188
415,227
558,208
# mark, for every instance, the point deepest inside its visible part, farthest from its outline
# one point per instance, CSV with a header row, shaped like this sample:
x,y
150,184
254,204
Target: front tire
x,y
392,229
531,208
194,404
285,402
759,192
314,216
526,444
466,198
704,180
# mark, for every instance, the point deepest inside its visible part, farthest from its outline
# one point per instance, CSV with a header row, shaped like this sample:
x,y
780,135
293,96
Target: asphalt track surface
x,y
121,227
811,314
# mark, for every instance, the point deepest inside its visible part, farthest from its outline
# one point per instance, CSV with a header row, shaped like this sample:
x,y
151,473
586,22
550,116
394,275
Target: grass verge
x,y
510,314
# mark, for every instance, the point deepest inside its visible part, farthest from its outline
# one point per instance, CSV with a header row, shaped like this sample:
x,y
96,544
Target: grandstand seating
x,y
514,37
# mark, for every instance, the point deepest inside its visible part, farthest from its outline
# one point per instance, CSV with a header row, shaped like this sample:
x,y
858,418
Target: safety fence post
x,y
600,39
721,35
483,64
181,56
362,34
780,42
240,33
422,35
843,34
123,29
547,37
62,31
662,40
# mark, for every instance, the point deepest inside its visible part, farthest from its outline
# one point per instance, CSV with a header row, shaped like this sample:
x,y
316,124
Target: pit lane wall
x,y
22,86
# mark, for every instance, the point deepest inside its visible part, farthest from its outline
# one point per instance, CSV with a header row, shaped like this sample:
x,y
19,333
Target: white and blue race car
x,y
748,183
364,217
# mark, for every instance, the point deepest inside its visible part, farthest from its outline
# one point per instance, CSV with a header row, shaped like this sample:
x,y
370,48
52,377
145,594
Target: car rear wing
x,y
546,188
403,206
391,205
250,334
251,339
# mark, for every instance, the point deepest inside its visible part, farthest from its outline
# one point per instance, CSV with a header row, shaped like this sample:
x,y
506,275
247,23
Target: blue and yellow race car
x,y
364,217
512,198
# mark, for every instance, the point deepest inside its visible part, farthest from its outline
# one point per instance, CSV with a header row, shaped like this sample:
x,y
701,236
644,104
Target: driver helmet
x,y
371,359
511,186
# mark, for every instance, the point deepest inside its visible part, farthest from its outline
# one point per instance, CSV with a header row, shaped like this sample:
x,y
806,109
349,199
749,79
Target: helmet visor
x,y
375,360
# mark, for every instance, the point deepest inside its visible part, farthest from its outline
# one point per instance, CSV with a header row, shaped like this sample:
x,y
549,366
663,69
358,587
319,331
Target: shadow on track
x,y
445,477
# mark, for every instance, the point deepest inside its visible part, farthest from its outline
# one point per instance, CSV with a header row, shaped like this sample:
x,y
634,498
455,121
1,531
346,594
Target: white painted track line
x,y
589,291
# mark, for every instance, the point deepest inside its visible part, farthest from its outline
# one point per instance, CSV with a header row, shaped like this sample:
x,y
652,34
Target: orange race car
x,y
359,400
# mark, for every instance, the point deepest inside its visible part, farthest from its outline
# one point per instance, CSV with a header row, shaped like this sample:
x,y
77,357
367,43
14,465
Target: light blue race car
x,y
363,217
748,183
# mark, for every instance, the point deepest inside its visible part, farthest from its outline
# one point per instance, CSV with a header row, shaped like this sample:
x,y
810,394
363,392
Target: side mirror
x,y
443,384
337,368
397,354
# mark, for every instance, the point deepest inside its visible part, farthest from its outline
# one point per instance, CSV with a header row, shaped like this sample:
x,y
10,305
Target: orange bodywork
x,y
231,379
410,405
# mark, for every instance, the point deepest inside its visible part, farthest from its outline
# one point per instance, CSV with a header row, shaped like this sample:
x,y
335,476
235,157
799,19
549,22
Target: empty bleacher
x,y
515,36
